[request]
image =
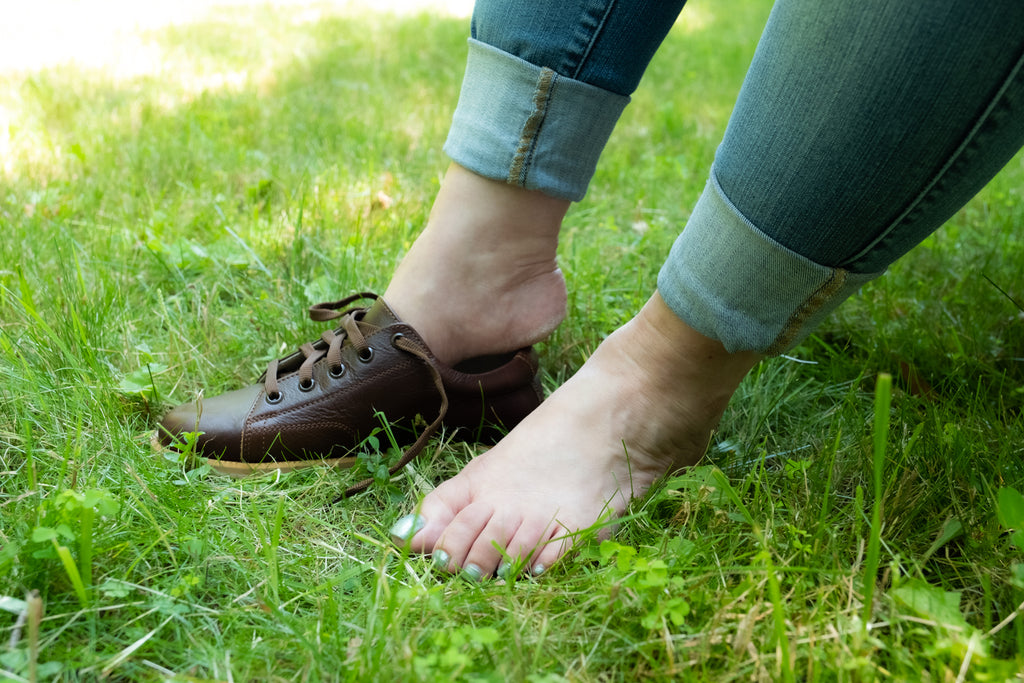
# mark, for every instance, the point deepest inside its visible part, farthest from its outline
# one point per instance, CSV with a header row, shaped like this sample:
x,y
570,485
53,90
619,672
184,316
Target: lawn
x,y
166,221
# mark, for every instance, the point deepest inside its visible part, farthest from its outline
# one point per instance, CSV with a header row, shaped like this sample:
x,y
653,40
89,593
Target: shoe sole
x,y
240,470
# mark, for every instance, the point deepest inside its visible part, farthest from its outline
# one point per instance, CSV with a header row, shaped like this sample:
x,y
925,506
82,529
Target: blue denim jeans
x,y
545,84
861,127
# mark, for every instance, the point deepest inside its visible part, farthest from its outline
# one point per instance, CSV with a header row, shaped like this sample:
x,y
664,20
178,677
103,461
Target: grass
x,y
163,234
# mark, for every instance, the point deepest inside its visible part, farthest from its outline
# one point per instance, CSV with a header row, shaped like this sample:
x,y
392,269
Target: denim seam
x,y
531,129
593,39
811,305
950,164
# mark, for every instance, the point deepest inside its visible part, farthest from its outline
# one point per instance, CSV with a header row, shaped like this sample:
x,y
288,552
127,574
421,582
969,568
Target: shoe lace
x,y
330,345
406,344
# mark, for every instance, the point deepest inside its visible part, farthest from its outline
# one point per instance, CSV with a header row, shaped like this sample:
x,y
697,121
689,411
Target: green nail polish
x,y
472,572
407,527
441,559
503,569
538,569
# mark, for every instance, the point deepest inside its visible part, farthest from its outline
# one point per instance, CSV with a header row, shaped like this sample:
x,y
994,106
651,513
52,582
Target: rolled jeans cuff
x,y
730,281
529,126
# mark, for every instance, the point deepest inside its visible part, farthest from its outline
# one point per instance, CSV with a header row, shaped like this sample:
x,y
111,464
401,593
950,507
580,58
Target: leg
x,y
537,105
815,191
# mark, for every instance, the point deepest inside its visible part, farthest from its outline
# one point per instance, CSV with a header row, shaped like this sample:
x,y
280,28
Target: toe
x,y
528,541
462,533
490,545
555,546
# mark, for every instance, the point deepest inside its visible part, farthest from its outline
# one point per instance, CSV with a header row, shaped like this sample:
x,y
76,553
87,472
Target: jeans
x,y
545,83
861,127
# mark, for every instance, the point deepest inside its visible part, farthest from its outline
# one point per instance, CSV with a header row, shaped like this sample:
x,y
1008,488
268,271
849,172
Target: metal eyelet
x,y
274,397
307,386
366,355
395,337
336,373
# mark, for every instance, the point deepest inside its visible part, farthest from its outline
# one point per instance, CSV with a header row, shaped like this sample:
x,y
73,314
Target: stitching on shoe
x,y
261,436
246,423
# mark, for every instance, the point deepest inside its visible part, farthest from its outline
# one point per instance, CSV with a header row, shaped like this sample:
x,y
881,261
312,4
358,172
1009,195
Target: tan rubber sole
x,y
247,469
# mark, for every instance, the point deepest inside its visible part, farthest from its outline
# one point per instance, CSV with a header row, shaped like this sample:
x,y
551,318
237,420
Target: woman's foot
x,y
643,405
482,277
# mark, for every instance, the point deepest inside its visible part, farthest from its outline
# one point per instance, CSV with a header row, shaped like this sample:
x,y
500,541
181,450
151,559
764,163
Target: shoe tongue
x,y
379,314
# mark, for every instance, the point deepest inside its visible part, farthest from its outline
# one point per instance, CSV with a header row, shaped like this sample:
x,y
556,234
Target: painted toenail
x,y
441,559
407,527
472,572
503,569
538,569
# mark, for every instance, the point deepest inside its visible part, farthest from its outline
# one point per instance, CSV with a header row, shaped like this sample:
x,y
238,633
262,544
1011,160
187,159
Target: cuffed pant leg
x,y
528,125
861,128
546,83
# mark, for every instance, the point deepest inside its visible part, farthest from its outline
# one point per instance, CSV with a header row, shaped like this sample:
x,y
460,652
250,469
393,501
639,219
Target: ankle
x,y
683,353
482,278
497,215
681,380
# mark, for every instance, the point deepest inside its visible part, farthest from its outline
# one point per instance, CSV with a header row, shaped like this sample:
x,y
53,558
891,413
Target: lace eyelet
x,y
366,355
307,386
336,373
395,337
274,397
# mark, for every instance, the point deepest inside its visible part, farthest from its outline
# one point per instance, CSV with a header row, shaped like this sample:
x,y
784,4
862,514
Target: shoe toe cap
x,y
219,420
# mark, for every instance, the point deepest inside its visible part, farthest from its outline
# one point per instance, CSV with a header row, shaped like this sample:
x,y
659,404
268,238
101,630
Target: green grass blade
x,y
883,401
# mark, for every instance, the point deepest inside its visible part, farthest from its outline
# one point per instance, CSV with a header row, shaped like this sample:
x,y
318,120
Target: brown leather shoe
x,y
318,405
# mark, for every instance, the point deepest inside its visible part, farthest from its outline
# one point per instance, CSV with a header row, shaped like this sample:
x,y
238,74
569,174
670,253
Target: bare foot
x,y
482,277
643,405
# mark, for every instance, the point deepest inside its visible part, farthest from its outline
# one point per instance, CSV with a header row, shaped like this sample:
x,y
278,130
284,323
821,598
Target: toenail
x,y
441,559
503,569
472,572
538,569
407,527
